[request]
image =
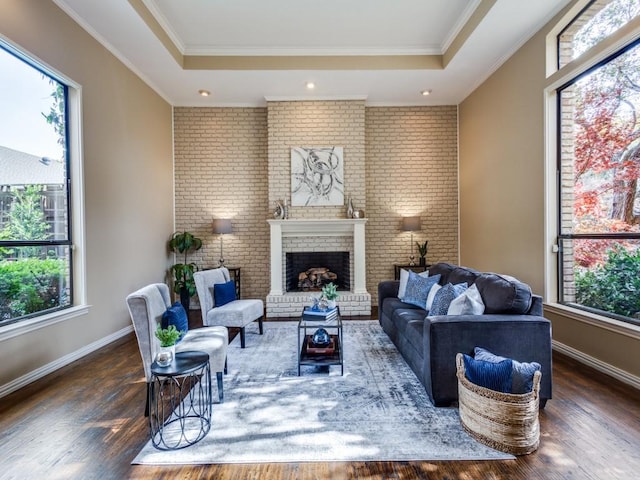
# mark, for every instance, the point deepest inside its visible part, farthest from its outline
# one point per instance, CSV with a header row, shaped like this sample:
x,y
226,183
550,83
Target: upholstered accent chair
x,y
237,313
146,307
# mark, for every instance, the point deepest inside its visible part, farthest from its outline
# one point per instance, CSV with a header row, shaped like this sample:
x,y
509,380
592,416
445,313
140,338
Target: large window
x,y
599,167
35,221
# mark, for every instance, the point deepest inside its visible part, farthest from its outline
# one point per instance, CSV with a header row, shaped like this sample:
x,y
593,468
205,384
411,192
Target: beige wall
x,y
126,134
398,161
502,187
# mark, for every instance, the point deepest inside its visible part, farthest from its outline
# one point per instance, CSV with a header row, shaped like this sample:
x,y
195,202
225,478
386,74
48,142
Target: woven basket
x,y
504,421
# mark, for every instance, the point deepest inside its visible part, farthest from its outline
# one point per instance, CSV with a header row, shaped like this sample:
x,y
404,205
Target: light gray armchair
x,y
238,313
146,307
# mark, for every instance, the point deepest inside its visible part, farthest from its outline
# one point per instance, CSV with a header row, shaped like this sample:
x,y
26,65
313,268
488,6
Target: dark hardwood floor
x,y
86,421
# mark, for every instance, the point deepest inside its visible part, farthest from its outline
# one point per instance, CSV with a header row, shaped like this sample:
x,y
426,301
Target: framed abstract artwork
x,y
317,176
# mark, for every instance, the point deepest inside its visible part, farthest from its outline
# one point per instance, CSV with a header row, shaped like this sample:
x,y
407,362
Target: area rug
x,y
377,411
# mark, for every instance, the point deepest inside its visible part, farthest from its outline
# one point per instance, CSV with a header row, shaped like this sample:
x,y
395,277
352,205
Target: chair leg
x,y
225,365
220,388
260,325
242,337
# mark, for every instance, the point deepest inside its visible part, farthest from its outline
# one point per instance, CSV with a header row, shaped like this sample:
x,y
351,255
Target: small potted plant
x,y
330,293
422,250
168,338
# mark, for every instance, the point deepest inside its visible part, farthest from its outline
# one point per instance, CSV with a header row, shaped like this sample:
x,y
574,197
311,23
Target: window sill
x,y
600,321
29,325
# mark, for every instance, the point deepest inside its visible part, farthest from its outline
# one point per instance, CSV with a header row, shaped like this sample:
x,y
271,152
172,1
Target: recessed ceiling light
x,y
204,93
311,85
425,93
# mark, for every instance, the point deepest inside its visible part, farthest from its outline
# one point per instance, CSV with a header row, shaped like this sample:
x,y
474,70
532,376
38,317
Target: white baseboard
x,y
599,365
51,367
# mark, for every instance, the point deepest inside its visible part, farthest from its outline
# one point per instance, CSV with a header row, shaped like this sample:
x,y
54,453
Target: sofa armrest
x,y
387,288
525,338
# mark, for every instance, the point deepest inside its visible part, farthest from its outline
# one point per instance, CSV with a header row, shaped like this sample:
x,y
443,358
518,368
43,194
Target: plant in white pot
x,y
168,338
330,293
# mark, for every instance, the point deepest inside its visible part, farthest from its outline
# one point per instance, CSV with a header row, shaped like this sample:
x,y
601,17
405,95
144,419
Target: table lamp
x,y
411,224
221,226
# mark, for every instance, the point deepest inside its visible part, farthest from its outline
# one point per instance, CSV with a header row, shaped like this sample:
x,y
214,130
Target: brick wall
x,y
316,124
221,172
235,162
412,169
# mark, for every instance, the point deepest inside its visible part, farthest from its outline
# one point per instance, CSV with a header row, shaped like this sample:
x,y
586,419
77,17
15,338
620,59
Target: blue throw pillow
x,y
494,376
445,296
176,315
224,293
418,289
522,380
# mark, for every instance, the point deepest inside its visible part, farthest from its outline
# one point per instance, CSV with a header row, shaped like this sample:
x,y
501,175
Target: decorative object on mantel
x,y
349,208
221,226
317,176
278,213
183,283
422,250
411,224
358,214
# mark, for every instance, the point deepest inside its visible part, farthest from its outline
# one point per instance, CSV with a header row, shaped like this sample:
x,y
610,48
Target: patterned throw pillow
x,y
494,376
176,315
404,278
469,303
418,289
522,378
445,296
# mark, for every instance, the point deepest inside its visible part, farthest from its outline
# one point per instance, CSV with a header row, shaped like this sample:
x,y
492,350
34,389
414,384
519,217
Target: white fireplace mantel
x,y
325,227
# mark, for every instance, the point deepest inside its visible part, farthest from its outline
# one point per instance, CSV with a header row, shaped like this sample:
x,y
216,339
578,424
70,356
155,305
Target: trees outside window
x,y
35,234
599,151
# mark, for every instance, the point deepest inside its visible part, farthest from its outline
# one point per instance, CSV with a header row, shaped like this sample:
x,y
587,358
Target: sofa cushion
x,y
177,316
503,294
444,297
443,269
402,317
469,303
418,288
391,304
522,372
463,274
494,376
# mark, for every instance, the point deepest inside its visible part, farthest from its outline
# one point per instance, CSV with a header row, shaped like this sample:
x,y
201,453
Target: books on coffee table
x,y
312,314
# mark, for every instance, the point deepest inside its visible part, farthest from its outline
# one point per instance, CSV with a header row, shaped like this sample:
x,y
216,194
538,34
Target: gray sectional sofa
x,y
512,326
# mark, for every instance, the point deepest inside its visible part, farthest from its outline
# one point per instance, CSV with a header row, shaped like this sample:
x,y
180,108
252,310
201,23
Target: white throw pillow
x,y
431,296
469,303
404,278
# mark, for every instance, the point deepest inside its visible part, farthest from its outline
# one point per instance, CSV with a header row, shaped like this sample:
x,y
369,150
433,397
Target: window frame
x,y
75,232
616,44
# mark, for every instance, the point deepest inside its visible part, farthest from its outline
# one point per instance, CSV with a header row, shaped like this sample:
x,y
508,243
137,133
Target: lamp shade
x,y
410,224
222,225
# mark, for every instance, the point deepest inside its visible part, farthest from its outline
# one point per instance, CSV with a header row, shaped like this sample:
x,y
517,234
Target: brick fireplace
x,y
317,235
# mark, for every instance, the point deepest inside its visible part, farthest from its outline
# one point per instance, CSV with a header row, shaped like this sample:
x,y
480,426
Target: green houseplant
x,y
183,283
168,338
422,250
330,292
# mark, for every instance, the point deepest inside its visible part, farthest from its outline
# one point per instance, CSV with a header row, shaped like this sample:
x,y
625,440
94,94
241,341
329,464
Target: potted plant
x,y
183,283
330,293
422,250
168,338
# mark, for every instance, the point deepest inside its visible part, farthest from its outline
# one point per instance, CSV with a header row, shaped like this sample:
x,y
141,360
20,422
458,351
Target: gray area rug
x,y
377,411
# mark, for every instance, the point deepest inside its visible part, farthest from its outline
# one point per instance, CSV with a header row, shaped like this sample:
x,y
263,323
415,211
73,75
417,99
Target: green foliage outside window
x,y
31,285
614,286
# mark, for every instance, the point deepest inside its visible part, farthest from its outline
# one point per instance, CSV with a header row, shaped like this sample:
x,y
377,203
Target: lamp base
x,y
412,261
221,262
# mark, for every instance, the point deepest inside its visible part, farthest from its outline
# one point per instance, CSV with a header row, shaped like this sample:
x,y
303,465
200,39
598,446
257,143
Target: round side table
x,y
180,401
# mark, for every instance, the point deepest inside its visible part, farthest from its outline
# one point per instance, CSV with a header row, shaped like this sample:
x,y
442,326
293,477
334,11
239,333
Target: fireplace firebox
x,y
309,271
